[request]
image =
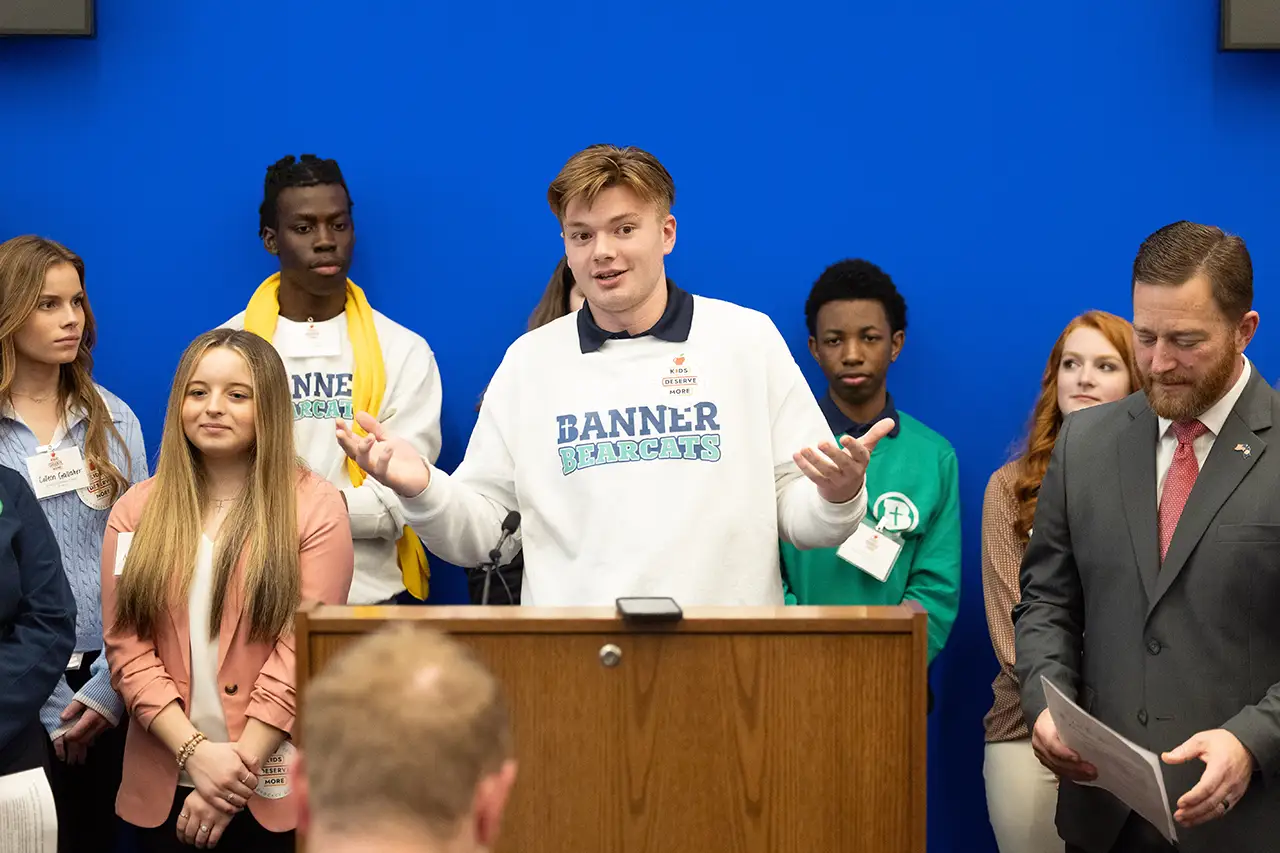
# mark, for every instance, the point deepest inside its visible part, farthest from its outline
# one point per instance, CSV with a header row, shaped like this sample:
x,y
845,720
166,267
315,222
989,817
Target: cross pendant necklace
x,y
221,503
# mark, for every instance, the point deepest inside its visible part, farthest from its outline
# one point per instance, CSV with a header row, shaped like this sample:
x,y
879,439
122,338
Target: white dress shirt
x,y
1214,417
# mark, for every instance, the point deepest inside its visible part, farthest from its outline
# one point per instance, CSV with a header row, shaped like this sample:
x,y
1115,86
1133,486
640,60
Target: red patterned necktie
x,y
1179,480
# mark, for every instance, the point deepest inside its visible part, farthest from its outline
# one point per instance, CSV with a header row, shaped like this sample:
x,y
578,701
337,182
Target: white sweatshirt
x,y
321,388
646,467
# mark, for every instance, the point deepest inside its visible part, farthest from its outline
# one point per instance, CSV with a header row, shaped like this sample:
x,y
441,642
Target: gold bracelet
x,y
181,757
189,748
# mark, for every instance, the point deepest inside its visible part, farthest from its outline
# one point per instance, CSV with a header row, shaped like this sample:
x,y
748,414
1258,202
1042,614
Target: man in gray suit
x,y
1151,585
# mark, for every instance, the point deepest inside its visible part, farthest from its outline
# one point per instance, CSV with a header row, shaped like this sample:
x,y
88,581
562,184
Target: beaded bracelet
x,y
188,749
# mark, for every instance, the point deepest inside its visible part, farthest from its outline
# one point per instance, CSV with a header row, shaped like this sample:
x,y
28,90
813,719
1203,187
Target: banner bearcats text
x,y
652,433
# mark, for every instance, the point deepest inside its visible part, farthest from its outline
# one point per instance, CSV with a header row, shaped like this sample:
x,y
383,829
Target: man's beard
x,y
1196,401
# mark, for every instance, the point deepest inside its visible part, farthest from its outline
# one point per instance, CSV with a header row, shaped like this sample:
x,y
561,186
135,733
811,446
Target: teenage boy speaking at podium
x,y
654,442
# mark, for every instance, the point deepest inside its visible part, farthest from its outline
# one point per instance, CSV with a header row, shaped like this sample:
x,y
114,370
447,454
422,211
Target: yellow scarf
x,y
368,386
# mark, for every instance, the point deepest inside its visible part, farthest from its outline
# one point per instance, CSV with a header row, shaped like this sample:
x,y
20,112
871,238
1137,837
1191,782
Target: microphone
x,y
509,526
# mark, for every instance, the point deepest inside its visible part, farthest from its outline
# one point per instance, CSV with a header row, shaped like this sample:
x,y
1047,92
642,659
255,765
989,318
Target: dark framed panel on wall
x,y
1250,25
47,18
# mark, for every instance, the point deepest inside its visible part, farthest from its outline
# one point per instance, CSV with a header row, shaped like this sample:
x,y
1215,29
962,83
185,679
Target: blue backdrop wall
x,y
1002,161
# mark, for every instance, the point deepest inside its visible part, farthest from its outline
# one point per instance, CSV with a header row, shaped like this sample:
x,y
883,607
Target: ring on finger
x,y
1226,804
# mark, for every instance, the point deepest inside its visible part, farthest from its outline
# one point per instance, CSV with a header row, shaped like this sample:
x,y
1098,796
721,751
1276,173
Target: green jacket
x,y
913,483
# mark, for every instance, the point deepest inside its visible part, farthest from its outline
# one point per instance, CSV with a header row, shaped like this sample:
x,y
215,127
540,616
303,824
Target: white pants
x,y
1022,797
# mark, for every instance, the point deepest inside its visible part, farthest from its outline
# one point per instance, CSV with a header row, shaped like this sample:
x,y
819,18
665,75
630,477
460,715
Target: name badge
x,y
54,472
309,340
872,550
273,778
123,541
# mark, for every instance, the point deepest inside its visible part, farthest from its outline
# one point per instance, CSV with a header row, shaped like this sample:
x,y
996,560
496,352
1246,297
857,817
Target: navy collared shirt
x,y
841,425
673,325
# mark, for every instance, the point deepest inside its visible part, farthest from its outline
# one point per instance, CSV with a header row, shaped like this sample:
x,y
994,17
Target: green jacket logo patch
x,y
895,512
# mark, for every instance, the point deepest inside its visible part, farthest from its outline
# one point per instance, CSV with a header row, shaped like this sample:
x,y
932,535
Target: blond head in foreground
x,y
407,747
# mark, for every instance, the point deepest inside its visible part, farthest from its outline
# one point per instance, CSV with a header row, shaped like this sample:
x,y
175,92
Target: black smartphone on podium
x,y
649,609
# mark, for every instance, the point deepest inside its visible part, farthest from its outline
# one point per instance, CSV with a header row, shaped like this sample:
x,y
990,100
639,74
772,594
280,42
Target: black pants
x,y
242,834
85,794
1137,836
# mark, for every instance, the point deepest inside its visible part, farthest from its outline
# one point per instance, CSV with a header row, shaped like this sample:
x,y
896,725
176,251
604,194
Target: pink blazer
x,y
257,677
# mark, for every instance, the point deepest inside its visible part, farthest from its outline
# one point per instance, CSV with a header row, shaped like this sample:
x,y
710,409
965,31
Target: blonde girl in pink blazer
x,y
203,567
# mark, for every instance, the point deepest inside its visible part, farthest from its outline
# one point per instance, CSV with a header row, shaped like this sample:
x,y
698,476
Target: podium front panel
x,y
743,735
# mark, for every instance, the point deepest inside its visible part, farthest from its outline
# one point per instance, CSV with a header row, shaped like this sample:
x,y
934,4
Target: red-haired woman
x,y
1091,363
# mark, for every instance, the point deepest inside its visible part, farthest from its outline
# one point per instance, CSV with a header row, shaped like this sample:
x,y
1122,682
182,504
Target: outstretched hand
x,y
390,460
840,469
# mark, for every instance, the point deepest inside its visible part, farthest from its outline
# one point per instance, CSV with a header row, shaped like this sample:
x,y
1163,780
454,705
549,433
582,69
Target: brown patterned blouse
x,y
1002,552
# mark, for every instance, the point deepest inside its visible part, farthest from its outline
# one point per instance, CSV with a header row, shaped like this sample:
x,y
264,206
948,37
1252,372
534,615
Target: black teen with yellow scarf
x,y
343,357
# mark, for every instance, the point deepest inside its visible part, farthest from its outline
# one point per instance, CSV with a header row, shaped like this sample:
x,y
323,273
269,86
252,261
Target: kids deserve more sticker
x,y
96,495
273,779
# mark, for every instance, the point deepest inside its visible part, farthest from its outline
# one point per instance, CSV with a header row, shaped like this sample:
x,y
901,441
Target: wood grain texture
x,y
745,741
572,620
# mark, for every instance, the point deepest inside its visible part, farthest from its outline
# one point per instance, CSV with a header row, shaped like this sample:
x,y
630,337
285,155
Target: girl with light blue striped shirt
x,y
80,447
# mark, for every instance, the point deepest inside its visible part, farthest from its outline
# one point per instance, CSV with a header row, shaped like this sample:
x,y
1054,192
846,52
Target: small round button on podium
x,y
610,655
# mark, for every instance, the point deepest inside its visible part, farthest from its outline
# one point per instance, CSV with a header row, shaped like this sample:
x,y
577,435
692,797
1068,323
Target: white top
x,y
647,467
321,389
205,712
1214,417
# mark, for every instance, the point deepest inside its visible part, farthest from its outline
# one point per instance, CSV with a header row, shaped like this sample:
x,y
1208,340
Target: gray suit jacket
x,y
1160,652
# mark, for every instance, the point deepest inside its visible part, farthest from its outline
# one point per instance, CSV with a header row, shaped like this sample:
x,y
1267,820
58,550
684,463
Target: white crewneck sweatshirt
x,y
645,467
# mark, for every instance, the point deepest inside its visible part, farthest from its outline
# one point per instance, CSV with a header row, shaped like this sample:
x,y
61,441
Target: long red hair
x,y
1046,419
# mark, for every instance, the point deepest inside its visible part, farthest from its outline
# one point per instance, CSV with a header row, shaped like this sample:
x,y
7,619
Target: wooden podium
x,y
736,730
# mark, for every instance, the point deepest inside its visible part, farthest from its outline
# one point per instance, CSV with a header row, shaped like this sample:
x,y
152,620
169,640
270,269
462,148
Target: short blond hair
x,y
595,169
402,726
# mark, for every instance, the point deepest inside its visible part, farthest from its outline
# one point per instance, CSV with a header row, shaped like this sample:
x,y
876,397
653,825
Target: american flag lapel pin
x,y
1243,448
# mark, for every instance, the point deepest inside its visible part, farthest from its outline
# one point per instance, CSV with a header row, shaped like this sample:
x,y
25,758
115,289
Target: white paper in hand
x,y
1128,771
28,820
